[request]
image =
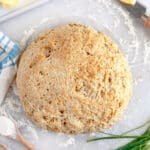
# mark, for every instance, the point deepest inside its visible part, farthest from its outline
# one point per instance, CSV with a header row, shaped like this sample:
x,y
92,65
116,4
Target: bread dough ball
x,y
74,79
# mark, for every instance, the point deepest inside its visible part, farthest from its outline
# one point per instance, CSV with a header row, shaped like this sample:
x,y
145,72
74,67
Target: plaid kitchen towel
x,y
9,52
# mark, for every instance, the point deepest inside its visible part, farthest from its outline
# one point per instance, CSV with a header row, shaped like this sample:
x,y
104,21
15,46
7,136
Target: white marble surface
x,y
90,12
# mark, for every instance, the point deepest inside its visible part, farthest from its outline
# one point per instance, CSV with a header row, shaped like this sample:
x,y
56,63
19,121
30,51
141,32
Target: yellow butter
x,y
9,3
129,2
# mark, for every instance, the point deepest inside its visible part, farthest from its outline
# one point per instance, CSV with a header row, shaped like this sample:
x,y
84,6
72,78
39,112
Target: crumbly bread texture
x,y
74,79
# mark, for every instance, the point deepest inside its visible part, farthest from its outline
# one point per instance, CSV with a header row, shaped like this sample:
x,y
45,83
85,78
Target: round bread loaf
x,y
73,79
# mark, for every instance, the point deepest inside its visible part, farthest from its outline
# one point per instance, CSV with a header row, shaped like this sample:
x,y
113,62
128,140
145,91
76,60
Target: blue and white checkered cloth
x,y
9,52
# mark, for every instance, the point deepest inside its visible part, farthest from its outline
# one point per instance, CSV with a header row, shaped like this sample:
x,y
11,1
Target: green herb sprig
x,y
140,142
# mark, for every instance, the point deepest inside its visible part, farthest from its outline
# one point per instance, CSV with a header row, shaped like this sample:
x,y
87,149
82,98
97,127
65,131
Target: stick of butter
x,y
9,3
129,2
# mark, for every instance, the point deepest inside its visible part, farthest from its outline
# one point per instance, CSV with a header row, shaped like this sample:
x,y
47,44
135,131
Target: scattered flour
x,y
44,20
7,127
68,142
33,132
147,52
12,109
28,33
26,36
92,17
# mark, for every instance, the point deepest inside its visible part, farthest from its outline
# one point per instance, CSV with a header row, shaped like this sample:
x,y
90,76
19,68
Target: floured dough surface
x,y
73,79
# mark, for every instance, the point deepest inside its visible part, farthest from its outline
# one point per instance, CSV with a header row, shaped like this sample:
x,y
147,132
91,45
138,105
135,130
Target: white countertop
x,y
54,7
88,12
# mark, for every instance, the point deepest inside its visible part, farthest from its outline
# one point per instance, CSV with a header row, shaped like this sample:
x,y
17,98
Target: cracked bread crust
x,y
73,79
